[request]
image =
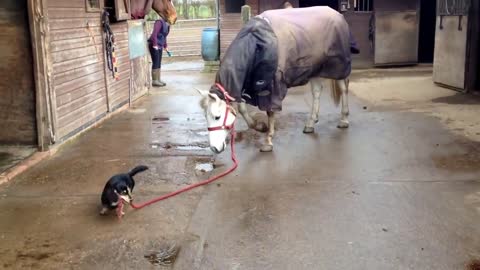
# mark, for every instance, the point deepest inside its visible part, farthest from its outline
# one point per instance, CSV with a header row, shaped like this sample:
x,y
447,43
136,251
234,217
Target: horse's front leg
x,y
268,146
260,126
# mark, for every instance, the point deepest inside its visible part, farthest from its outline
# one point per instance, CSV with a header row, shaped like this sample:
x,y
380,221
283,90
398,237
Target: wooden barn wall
x,y
17,89
231,23
274,4
119,91
77,62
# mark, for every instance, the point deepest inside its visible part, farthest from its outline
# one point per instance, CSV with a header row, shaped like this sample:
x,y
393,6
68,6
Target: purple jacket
x,y
161,29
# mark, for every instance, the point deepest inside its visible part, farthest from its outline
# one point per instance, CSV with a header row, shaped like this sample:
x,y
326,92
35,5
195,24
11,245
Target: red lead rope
x,y
205,182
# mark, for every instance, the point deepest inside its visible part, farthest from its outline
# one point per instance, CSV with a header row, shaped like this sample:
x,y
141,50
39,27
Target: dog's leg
x,y
316,88
130,194
242,108
104,211
268,147
345,110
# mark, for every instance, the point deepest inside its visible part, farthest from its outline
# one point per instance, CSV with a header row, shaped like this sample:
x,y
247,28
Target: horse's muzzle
x,y
218,150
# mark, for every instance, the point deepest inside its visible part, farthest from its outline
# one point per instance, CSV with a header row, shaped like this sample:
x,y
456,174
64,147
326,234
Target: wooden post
x,y
246,13
38,32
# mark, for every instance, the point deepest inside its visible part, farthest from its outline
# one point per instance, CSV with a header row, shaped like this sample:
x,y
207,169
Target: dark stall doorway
x,y
426,41
310,3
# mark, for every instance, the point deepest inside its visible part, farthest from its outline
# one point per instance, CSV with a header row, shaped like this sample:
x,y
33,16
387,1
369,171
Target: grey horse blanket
x,y
284,48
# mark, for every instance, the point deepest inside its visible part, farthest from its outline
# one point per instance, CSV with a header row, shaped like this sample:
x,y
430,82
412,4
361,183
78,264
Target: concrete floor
x,y
398,190
11,155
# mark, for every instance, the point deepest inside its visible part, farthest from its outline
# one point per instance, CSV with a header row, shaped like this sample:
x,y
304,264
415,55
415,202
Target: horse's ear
x,y
213,97
202,92
204,103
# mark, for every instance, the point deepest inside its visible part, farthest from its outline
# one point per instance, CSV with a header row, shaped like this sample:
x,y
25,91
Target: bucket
x,y
210,44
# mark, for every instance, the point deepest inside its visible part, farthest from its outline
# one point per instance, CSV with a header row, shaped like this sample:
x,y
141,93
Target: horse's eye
x,y
217,118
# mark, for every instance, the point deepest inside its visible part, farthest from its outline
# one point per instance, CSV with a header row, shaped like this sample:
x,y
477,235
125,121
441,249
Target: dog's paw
x,y
103,212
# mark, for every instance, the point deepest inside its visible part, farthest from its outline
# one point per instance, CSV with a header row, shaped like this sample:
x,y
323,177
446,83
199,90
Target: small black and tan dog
x,y
119,186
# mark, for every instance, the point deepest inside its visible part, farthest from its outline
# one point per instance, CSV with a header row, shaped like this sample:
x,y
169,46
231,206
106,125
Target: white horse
x,y
221,114
274,51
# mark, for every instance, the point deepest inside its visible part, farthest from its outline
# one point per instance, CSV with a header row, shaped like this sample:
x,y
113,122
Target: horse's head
x,y
220,117
166,10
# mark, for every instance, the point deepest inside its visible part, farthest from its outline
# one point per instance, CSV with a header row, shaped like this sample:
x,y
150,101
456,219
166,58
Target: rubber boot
x,y
160,78
156,78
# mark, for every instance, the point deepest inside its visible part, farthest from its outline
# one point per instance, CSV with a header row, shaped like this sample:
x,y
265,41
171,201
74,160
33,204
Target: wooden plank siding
x,y
231,23
119,91
17,88
77,61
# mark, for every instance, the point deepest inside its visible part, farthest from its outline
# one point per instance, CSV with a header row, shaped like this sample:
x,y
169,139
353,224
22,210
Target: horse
x,y
274,51
164,8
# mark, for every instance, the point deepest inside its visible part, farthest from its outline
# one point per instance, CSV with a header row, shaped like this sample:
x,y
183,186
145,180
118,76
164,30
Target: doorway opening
x,y
426,41
310,3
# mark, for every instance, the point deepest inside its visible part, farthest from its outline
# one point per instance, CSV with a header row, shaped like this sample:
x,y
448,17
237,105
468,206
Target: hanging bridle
x,y
228,109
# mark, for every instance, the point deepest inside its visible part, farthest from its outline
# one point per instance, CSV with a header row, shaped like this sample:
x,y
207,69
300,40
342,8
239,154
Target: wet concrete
x,y
49,215
11,155
398,190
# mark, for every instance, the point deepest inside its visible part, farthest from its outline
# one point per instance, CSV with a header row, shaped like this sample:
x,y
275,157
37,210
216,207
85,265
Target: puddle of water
x,y
202,133
189,148
160,119
204,167
5,158
168,146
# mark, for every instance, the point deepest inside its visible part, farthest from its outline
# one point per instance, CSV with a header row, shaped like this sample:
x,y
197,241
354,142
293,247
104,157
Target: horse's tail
x,y
336,92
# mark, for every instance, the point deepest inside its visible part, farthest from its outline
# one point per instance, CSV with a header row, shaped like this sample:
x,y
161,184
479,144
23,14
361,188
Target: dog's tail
x,y
137,169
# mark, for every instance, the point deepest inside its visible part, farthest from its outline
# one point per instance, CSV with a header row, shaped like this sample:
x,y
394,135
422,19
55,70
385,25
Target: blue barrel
x,y
210,44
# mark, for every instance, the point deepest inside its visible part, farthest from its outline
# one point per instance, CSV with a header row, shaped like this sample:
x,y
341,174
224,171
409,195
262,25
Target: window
x,y
122,10
234,6
453,7
93,5
363,5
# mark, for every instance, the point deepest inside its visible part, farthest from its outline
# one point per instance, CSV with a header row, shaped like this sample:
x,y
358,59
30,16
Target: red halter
x,y
228,98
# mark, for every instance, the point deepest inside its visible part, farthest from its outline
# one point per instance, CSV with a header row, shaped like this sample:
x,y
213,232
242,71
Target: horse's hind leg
x,y
268,146
316,87
343,84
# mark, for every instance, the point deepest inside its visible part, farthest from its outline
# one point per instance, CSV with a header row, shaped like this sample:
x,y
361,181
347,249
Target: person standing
x,y
287,4
157,43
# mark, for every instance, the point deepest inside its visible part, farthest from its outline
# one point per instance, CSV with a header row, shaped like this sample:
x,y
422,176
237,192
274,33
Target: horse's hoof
x,y
308,130
343,124
266,148
261,127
